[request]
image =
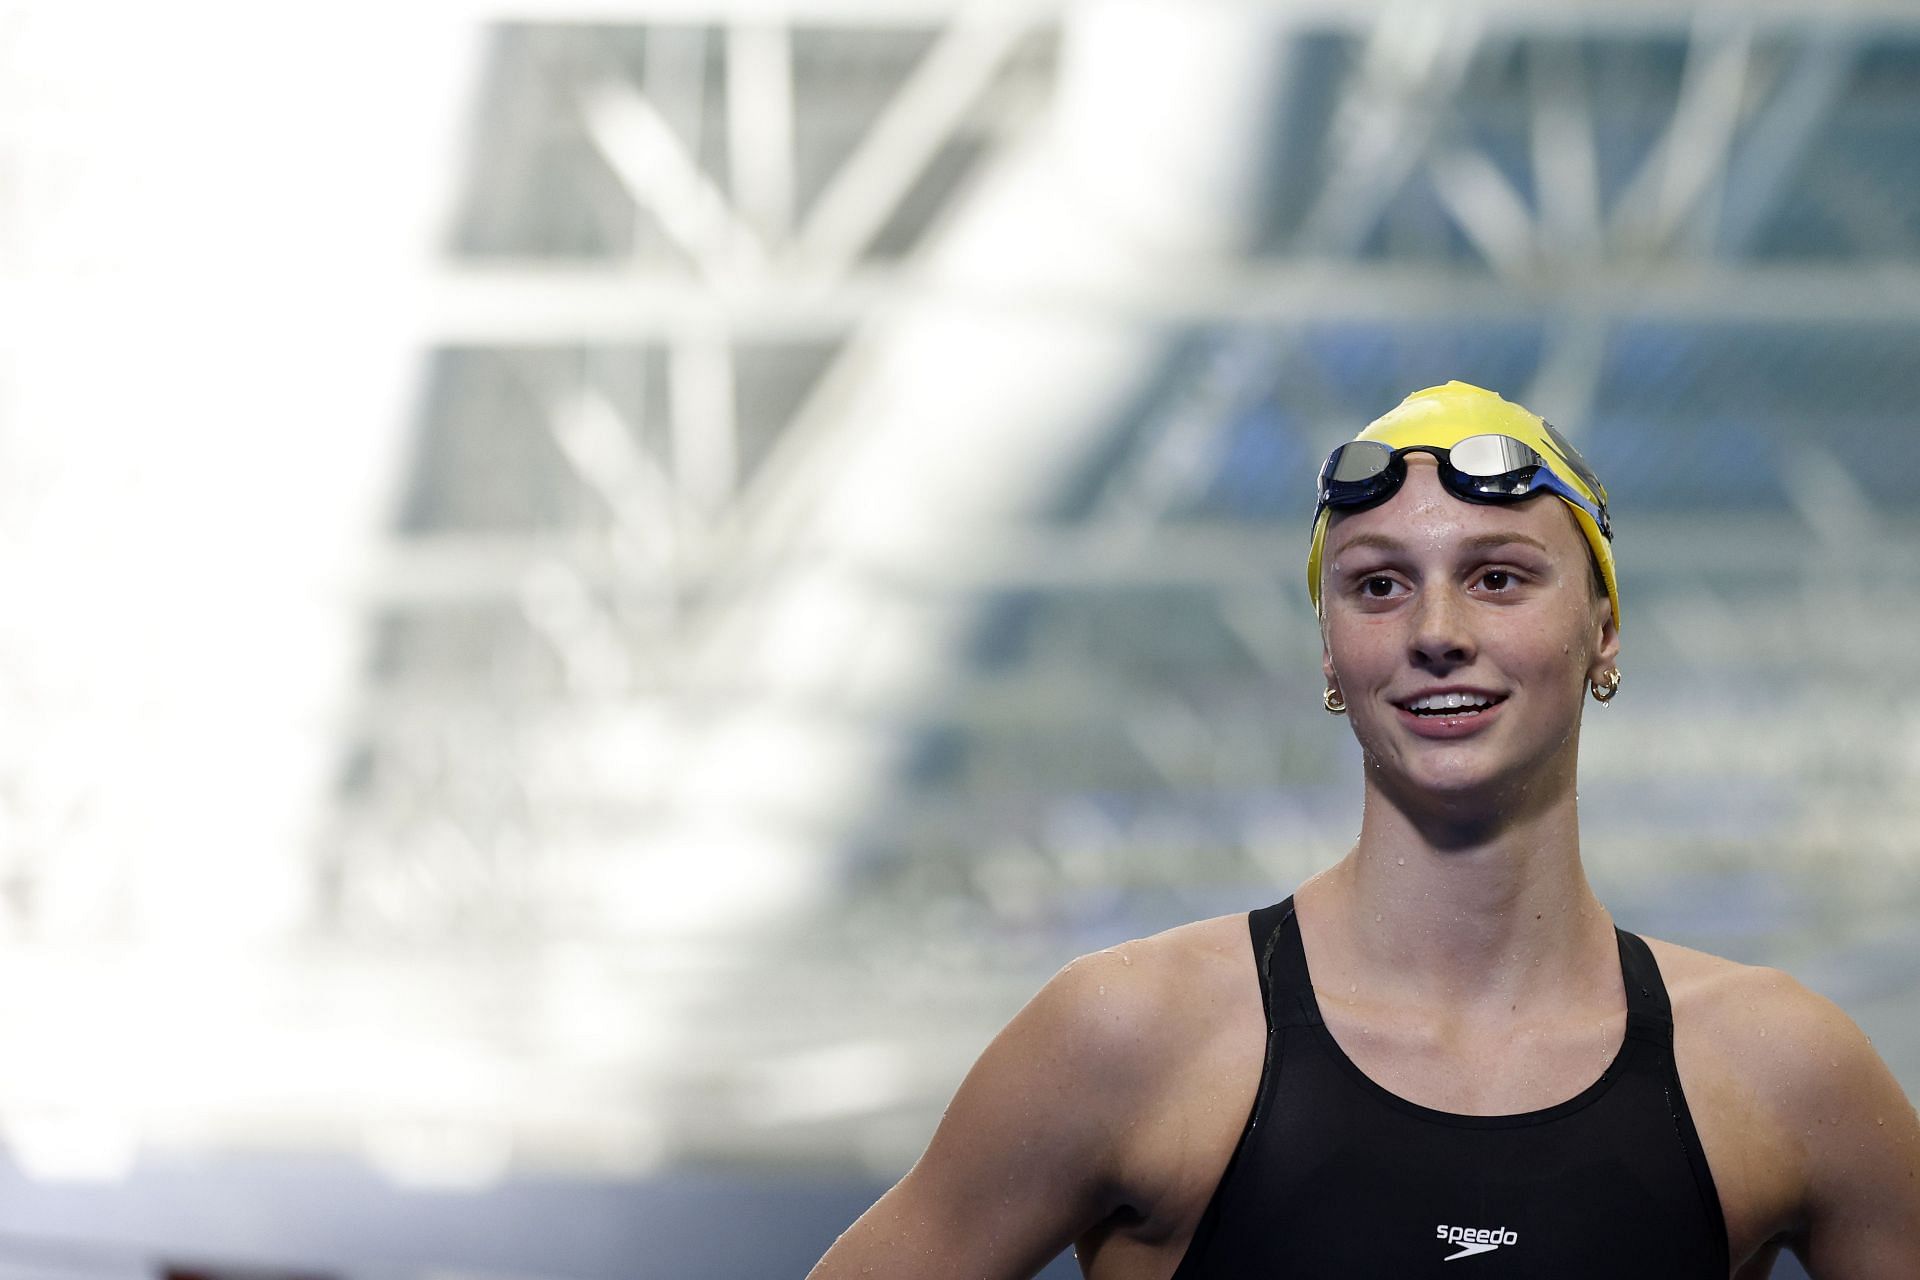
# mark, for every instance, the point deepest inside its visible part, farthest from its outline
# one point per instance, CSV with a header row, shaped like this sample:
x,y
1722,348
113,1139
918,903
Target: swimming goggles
x,y
1484,468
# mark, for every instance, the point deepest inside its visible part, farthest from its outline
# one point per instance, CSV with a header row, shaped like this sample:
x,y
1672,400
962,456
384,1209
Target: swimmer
x,y
1440,1049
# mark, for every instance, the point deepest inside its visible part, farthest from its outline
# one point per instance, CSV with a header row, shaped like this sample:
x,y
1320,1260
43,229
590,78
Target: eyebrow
x,y
1478,542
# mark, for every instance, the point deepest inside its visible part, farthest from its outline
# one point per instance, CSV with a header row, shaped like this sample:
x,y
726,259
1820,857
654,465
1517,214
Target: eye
x,y
1377,587
1496,579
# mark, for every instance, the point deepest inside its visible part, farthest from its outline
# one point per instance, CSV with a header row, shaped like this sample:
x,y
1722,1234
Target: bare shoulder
x,y
1812,1141
1094,1104
1109,1051
1170,965
1729,993
1146,1006
1790,1045
1181,1037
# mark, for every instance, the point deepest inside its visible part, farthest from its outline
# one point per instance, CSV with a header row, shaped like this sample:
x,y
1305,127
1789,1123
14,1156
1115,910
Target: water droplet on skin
x,y
1353,986
1103,989
1376,917
1401,861
1126,959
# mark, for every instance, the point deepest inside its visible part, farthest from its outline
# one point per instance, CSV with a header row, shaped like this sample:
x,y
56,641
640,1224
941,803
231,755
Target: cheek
x,y
1558,650
1358,647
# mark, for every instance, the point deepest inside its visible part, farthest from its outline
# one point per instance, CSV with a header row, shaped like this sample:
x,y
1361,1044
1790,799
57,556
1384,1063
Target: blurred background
x,y
595,593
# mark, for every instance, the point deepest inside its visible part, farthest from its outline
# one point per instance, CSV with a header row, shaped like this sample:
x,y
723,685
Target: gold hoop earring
x,y
1606,686
1335,704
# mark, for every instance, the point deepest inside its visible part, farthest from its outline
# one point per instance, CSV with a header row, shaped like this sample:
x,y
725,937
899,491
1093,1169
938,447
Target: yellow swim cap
x,y
1445,415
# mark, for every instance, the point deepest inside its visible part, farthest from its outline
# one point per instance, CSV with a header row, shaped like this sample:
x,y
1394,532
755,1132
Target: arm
x,y
1029,1153
1863,1159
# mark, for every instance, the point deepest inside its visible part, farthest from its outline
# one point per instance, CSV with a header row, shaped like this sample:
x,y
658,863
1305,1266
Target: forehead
x,y
1425,516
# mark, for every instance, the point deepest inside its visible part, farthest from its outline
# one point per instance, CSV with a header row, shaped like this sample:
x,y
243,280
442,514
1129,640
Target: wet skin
x,y
1429,592
1458,954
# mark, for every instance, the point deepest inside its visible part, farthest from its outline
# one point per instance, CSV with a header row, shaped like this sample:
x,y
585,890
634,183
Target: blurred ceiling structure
x,y
854,541
848,546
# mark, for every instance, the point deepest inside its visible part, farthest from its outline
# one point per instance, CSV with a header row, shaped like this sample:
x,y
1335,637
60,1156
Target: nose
x,y
1442,636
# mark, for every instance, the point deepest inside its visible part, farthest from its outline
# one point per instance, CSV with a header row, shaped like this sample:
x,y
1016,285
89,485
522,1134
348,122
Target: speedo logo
x,y
1472,1240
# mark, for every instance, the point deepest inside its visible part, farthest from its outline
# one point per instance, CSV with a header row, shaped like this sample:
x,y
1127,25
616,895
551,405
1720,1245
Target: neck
x,y
1458,906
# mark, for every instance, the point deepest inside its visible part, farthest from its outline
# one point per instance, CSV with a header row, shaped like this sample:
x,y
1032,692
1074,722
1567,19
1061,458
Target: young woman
x,y
1440,1050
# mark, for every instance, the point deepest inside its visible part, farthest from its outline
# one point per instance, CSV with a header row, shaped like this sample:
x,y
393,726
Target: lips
x,y
1456,700
1449,713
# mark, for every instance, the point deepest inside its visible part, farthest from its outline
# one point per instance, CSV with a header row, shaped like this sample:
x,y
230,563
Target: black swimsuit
x,y
1336,1177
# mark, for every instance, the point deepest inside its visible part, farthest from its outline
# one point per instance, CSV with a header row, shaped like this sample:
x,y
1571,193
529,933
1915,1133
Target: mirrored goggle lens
x,y
1491,456
1356,462
1496,466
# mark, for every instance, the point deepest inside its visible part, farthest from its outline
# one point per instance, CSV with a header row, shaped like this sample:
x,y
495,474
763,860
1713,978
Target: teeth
x,y
1449,702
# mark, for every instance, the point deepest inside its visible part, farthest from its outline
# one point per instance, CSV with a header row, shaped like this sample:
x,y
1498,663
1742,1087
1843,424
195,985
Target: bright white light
x,y
851,1079
456,1154
206,296
68,1143
217,218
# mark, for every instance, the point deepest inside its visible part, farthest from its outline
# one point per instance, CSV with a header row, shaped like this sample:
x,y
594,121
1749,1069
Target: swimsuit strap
x,y
1649,1012
1286,988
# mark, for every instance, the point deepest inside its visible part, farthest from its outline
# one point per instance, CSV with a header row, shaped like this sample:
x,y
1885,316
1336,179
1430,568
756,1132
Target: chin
x,y
1457,777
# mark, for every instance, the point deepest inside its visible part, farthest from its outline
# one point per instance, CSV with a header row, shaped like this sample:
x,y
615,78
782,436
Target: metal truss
x,y
584,713
1631,17
849,547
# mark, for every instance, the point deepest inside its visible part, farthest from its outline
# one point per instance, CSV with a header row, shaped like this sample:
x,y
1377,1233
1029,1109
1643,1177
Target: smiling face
x,y
1435,607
